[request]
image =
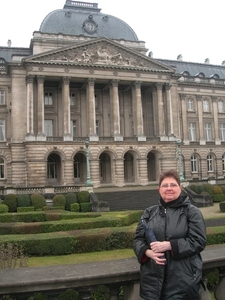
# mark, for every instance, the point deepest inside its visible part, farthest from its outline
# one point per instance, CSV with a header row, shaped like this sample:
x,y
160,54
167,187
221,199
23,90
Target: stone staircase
x,y
128,199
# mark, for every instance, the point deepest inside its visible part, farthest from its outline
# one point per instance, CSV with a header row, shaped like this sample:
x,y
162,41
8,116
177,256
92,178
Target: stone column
x,y
119,172
143,171
184,119
169,110
40,109
91,110
115,111
66,109
161,117
216,123
200,120
138,113
30,108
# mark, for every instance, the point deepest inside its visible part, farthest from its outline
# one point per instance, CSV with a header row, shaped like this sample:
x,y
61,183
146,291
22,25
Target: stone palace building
x,y
86,97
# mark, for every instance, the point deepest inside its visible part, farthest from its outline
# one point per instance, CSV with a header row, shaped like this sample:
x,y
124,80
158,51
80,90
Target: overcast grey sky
x,y
193,28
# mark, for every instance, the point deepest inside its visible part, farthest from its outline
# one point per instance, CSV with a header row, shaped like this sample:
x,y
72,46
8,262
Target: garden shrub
x,y
38,201
217,190
83,197
4,208
218,198
70,198
102,292
23,200
200,189
194,188
59,201
208,188
38,296
10,201
85,207
75,207
222,206
223,188
69,294
25,209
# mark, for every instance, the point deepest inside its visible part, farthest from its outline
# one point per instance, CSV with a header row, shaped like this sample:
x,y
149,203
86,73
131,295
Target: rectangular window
x,y
72,99
49,128
2,97
48,98
208,132
96,101
210,163
97,127
220,106
222,132
190,104
223,162
192,131
73,128
2,169
194,163
206,105
2,130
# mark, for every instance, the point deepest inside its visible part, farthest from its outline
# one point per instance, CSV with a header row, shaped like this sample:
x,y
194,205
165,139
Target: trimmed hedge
x,y
23,200
70,198
25,209
59,201
11,201
222,206
83,197
38,201
4,209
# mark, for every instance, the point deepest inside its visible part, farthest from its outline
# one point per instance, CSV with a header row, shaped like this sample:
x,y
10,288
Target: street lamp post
x,y
180,164
88,181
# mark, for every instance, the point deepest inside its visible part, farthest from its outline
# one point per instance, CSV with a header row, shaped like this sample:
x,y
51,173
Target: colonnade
x,y
159,97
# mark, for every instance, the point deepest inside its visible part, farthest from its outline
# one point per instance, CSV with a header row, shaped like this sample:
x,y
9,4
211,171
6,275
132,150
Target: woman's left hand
x,y
160,246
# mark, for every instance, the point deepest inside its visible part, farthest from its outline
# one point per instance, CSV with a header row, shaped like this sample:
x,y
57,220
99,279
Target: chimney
x,y
180,57
9,43
207,61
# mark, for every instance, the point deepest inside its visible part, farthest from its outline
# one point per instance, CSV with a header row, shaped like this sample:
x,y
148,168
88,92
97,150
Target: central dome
x,y
82,18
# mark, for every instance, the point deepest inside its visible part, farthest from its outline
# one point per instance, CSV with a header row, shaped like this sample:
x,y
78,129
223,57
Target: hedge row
x,y
99,239
24,202
102,221
217,192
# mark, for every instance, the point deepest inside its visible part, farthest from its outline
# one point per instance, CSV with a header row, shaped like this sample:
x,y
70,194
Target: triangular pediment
x,y
100,52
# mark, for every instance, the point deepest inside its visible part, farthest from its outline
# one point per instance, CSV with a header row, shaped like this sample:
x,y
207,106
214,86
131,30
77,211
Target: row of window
x,y
49,128
205,105
196,167
48,101
207,132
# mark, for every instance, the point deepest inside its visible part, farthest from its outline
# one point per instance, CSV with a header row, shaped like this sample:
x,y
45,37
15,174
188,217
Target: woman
x,y
171,267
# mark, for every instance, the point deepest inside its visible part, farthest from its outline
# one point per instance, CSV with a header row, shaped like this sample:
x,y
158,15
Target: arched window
x,y
2,168
76,164
223,162
52,167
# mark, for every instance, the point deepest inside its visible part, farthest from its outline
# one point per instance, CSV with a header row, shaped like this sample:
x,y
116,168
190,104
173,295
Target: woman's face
x,y
169,189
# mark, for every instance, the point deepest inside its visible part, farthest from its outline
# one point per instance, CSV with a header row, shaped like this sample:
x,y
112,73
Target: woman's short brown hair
x,y
170,173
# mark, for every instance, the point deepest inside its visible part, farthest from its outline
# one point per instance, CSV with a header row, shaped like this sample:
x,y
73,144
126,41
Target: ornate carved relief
x,y
101,53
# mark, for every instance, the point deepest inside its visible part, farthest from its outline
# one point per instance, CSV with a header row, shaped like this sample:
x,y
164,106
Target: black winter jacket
x,y
182,224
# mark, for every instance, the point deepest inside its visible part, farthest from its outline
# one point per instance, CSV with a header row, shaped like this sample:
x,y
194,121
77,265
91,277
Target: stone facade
x,y
133,109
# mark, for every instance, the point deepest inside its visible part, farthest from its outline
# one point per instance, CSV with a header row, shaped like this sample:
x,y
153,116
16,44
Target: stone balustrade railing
x,y
84,278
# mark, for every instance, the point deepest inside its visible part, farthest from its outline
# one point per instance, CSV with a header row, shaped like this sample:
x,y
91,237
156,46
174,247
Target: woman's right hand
x,y
158,257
